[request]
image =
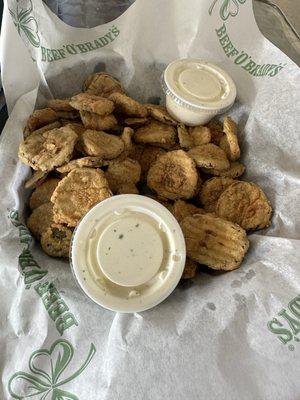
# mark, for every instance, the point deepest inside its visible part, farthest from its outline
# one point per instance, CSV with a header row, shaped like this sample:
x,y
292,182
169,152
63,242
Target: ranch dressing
x,y
128,253
196,91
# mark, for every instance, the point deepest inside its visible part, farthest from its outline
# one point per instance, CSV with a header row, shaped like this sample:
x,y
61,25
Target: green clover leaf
x,y
26,23
228,8
22,385
57,359
63,395
46,368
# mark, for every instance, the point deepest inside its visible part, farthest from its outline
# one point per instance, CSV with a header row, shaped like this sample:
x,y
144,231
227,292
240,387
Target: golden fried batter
x,y
216,131
148,156
211,191
95,104
70,115
78,127
235,170
40,219
101,144
128,106
173,175
40,118
126,136
121,172
183,209
212,241
56,240
229,142
89,161
42,194
127,188
200,135
136,152
209,156
60,105
245,204
185,140
36,179
102,84
136,122
47,150
160,113
190,269
77,193
95,121
156,134
49,127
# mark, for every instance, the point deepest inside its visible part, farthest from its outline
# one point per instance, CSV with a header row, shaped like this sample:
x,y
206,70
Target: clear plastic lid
x,y
128,253
197,85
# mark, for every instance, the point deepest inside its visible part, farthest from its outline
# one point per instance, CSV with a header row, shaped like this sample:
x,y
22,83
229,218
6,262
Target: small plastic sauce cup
x,y
128,253
196,91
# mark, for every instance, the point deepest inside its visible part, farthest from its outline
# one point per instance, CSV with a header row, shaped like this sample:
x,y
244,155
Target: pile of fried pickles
x,y
101,143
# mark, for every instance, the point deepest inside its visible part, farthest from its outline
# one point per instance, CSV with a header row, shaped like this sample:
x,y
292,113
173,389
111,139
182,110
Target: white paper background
x,y
209,339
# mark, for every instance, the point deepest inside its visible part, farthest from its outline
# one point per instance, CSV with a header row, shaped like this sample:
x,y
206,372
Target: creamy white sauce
x,y
196,90
129,258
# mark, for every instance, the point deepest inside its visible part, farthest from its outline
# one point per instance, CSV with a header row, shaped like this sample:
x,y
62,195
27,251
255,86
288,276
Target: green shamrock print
x,y
228,8
26,23
47,366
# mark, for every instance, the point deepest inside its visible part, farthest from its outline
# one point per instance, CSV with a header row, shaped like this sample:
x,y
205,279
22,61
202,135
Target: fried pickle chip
x,y
173,175
102,84
127,188
156,134
89,161
95,121
128,106
126,136
245,204
211,190
200,135
193,136
216,131
42,194
101,144
70,115
40,219
235,170
41,118
77,193
212,241
77,127
229,142
56,240
47,150
136,122
183,209
95,104
185,140
160,113
121,172
147,157
190,269
36,179
49,127
209,156
136,152
60,105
